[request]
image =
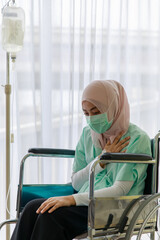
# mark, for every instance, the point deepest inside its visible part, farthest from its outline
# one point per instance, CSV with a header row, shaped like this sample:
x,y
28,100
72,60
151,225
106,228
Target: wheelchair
x,y
124,217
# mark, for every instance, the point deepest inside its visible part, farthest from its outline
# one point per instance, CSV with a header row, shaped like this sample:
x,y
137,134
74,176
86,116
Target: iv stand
x,y
8,134
8,140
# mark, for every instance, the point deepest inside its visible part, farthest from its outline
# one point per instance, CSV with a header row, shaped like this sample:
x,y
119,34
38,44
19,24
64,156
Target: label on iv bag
x,y
10,14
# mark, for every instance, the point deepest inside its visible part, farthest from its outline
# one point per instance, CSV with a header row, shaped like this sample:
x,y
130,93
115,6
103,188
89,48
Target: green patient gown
x,y
86,152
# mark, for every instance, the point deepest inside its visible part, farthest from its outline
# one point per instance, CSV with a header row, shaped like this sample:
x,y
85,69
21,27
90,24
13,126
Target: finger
x,y
41,206
124,151
116,140
122,146
54,208
102,165
44,204
108,142
40,209
123,140
48,206
125,144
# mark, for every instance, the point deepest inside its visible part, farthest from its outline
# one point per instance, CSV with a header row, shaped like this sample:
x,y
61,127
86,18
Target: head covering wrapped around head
x,y
108,96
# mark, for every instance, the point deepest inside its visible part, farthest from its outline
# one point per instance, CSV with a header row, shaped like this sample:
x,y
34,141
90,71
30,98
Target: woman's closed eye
x,y
92,113
89,109
97,112
86,113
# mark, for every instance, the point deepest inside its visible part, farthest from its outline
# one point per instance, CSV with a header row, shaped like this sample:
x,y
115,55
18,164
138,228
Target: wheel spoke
x,y
143,223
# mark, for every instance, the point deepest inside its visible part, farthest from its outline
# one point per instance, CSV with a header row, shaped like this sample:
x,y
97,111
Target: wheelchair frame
x,y
136,203
35,152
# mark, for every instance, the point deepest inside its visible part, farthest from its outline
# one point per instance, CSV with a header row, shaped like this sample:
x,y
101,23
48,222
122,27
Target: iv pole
x,y
8,132
8,139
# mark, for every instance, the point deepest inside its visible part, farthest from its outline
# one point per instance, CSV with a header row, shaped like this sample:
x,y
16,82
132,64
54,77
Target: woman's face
x,y
90,109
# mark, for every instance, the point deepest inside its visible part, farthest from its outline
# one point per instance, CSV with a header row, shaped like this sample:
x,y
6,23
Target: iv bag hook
x,y
7,4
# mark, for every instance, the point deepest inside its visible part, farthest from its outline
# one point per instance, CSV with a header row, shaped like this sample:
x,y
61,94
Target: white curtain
x,y
69,43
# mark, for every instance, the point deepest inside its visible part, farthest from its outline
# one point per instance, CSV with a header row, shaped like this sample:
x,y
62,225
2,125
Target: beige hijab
x,y
108,96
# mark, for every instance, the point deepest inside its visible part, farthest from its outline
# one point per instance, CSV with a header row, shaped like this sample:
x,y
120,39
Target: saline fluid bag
x,y
13,29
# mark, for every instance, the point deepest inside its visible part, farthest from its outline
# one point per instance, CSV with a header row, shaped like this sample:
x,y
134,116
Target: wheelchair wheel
x,y
144,224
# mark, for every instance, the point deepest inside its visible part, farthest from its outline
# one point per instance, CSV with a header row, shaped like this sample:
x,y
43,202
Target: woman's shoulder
x,y
86,131
136,131
85,135
140,141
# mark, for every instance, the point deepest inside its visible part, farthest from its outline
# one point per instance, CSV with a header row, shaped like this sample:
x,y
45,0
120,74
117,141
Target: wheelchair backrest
x,y
148,181
150,171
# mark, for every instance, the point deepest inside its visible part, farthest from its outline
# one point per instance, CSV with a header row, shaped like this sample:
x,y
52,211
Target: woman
x,y
106,108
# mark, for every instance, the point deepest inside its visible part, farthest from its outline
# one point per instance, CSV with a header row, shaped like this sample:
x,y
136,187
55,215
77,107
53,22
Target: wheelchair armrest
x,y
51,151
125,156
116,158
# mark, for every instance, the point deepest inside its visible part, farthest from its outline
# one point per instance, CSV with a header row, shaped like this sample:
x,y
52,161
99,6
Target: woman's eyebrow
x,y
93,108
90,109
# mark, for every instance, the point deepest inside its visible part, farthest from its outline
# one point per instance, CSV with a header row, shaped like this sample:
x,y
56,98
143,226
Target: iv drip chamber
x,y
13,22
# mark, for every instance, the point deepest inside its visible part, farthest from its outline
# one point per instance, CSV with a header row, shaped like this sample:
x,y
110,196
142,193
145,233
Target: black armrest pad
x,y
51,151
125,156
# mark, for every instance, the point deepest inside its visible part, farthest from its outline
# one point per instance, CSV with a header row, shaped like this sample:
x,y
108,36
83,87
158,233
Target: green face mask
x,y
99,123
